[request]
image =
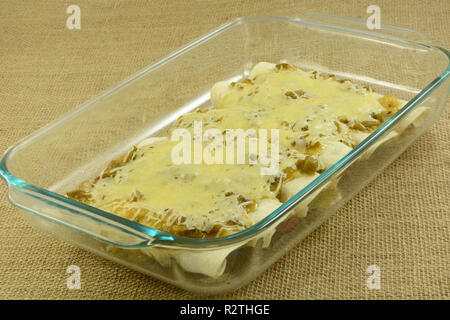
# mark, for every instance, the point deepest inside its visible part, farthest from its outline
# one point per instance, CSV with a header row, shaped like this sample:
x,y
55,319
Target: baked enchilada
x,y
318,118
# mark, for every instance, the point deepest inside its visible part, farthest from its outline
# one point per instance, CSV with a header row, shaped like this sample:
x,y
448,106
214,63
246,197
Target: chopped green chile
x,y
309,165
290,94
358,126
136,196
371,123
382,116
79,195
285,66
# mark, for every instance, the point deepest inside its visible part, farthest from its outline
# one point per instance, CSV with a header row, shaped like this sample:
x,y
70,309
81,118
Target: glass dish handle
x,y
102,226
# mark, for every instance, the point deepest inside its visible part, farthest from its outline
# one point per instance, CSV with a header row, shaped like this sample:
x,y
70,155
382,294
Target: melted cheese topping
x,y
198,196
319,119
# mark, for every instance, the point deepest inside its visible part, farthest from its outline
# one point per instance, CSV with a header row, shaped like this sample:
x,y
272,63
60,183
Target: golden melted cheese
x,y
197,196
318,117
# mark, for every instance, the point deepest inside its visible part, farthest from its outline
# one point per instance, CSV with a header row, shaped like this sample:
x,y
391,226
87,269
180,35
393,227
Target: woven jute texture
x,y
399,222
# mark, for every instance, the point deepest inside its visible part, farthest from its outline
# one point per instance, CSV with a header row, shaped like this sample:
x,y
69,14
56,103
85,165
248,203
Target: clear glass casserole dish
x,y
42,167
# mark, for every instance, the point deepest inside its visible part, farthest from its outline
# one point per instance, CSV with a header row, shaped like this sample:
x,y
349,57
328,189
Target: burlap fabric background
x,y
45,70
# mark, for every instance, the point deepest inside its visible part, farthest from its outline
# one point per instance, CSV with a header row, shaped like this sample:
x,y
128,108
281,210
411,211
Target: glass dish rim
x,y
151,236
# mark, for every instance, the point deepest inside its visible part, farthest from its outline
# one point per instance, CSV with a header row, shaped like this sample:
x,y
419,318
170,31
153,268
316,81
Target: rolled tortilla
x,y
150,141
208,262
261,68
211,262
358,137
416,117
333,152
218,93
265,207
290,188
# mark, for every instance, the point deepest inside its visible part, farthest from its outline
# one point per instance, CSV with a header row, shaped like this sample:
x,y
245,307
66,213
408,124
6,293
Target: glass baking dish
x,y
40,168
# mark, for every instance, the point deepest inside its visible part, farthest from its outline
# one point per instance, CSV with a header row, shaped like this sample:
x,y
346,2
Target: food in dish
x,y
318,118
